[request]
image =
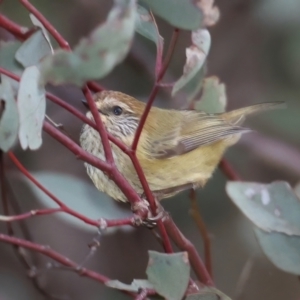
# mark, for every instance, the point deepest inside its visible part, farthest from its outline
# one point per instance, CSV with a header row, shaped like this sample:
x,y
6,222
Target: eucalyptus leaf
x,y
271,207
36,22
195,58
96,55
79,195
32,107
281,249
7,56
33,50
169,273
208,293
9,120
213,98
135,286
181,14
146,26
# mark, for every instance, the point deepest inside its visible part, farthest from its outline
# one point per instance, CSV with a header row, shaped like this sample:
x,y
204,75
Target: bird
x,y
177,149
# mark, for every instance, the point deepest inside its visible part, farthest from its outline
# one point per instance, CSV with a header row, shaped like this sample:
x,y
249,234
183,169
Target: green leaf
x,y
7,56
135,286
208,293
213,99
169,273
9,120
271,207
36,22
82,196
181,14
275,210
281,249
32,107
95,56
195,57
146,26
33,50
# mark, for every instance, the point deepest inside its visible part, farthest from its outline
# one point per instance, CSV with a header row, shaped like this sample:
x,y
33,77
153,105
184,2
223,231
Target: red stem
x,y
229,171
100,127
56,35
111,171
63,207
155,88
46,250
16,30
183,243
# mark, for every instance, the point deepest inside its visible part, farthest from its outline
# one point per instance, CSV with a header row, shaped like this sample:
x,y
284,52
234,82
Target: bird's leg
x,y
143,215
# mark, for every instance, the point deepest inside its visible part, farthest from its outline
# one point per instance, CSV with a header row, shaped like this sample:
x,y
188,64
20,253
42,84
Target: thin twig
x,y
46,250
4,199
63,207
195,212
184,244
56,35
228,170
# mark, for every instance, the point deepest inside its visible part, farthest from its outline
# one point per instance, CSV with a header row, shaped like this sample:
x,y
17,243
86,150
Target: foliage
x,y
27,68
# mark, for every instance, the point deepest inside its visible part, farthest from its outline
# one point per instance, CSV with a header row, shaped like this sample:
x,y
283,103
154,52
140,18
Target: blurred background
x,y
256,53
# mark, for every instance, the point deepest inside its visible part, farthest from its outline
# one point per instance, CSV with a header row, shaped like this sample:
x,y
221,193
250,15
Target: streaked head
x,y
119,112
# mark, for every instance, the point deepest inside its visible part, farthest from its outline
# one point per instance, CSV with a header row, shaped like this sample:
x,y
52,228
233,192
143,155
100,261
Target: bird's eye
x,y
117,110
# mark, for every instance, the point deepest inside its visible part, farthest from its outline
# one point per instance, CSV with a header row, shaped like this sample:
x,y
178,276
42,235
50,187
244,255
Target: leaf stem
x,y
56,35
47,251
184,244
229,171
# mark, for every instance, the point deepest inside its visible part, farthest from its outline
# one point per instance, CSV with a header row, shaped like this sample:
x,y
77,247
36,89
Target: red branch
x,y
46,250
100,127
155,88
16,30
63,207
183,243
229,171
57,36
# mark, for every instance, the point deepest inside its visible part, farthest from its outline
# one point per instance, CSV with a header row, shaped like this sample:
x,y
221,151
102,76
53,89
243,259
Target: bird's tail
x,y
238,116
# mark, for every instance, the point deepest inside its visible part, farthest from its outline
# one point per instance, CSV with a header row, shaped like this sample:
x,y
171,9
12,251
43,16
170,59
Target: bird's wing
x,y
195,129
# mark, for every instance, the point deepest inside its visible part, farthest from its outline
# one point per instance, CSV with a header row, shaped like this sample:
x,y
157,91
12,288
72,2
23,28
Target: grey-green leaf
x,y
195,57
80,195
213,98
169,273
181,14
33,50
271,207
32,107
281,249
36,22
135,286
96,55
208,293
146,26
7,56
9,122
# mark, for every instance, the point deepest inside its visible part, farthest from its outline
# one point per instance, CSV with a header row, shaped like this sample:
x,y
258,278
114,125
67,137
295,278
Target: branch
x,y
228,170
15,29
195,212
56,35
62,207
100,127
155,88
46,250
184,244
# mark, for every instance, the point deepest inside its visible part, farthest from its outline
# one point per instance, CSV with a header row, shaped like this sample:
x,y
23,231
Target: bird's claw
x,y
151,221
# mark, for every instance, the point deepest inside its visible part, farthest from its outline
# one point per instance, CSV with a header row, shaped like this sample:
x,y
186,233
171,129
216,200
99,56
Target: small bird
x,y
177,149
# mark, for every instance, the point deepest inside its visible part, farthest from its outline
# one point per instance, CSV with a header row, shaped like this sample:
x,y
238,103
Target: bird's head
x,y
119,112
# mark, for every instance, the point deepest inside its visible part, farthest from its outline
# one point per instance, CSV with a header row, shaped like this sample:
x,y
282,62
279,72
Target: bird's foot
x,y
150,221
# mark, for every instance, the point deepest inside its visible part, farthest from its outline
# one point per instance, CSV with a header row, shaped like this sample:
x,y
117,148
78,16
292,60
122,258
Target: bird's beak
x,y
85,103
